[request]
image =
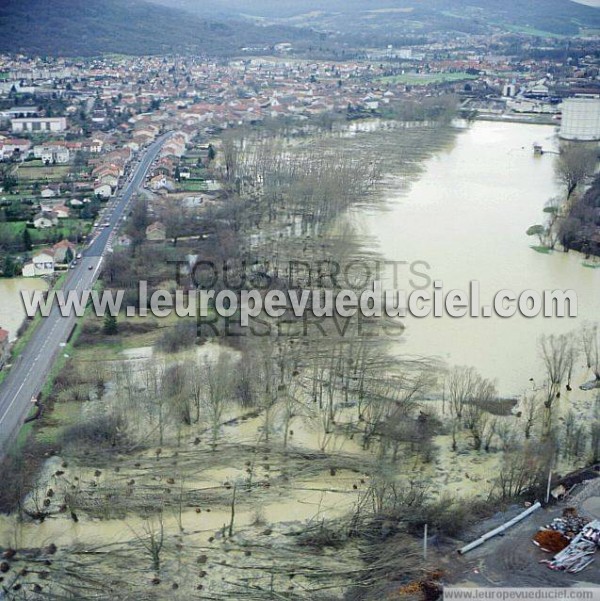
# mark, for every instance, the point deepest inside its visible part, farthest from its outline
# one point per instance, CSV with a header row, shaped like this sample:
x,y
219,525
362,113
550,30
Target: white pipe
x,y
500,529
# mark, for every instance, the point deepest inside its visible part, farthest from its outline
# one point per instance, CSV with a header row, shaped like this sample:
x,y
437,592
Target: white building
x,y
103,190
39,124
45,219
40,264
509,90
17,112
580,119
52,154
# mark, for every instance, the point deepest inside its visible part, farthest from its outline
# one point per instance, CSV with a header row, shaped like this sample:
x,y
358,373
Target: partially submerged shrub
x,y
99,431
177,338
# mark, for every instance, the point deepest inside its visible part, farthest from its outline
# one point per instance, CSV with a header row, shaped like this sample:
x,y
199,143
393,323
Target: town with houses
x,y
71,129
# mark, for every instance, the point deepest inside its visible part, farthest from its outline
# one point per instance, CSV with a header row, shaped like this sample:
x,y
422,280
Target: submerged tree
x,y
573,165
590,339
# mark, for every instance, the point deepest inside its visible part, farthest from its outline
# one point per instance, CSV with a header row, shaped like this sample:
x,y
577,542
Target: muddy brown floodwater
x,y
12,312
466,216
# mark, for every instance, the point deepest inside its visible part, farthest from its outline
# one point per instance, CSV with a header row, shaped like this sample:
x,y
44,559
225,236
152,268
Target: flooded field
x,y
12,312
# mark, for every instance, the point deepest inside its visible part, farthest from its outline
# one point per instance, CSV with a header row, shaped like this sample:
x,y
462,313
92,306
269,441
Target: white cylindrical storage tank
x,y
580,119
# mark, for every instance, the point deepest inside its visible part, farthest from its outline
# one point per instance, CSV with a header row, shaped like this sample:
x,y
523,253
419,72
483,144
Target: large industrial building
x,y
580,119
39,124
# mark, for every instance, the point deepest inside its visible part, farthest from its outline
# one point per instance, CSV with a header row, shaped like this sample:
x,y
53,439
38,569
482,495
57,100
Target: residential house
x,y
107,169
52,153
157,182
14,148
103,190
96,145
41,264
64,252
45,219
47,193
110,179
62,212
133,144
124,240
163,169
156,231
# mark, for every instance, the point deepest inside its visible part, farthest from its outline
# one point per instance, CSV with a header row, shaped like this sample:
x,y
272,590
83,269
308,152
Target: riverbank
x,y
530,119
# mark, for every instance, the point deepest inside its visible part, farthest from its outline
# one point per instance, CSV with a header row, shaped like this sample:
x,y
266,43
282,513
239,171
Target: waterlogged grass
x,y
63,415
61,361
590,265
545,250
106,348
33,324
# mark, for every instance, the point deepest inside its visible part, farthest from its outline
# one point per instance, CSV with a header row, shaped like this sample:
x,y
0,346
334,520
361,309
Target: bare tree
x,y
481,395
558,356
590,339
218,390
152,540
595,432
523,470
460,383
531,410
573,165
196,383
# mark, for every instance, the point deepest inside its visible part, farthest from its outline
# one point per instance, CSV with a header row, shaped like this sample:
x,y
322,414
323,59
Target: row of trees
x,y
572,220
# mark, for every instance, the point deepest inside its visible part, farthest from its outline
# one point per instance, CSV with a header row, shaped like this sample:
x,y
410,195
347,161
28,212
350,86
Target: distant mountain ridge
x,y
553,16
93,27
223,27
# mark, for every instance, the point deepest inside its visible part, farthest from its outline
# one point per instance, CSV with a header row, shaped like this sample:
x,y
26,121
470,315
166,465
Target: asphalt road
x,y
31,369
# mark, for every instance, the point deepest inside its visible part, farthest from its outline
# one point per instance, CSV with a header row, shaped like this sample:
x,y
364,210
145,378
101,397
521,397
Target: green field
x,y
65,228
533,31
423,79
192,185
28,172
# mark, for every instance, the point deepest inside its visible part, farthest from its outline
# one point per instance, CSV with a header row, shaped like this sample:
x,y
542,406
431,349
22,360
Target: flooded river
x,y
466,216
12,312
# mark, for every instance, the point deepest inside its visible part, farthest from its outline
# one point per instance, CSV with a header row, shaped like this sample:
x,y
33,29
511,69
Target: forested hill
x,y
92,27
529,16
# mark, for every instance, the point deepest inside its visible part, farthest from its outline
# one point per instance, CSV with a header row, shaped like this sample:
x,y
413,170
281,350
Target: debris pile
x,y
566,527
591,533
569,525
580,552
